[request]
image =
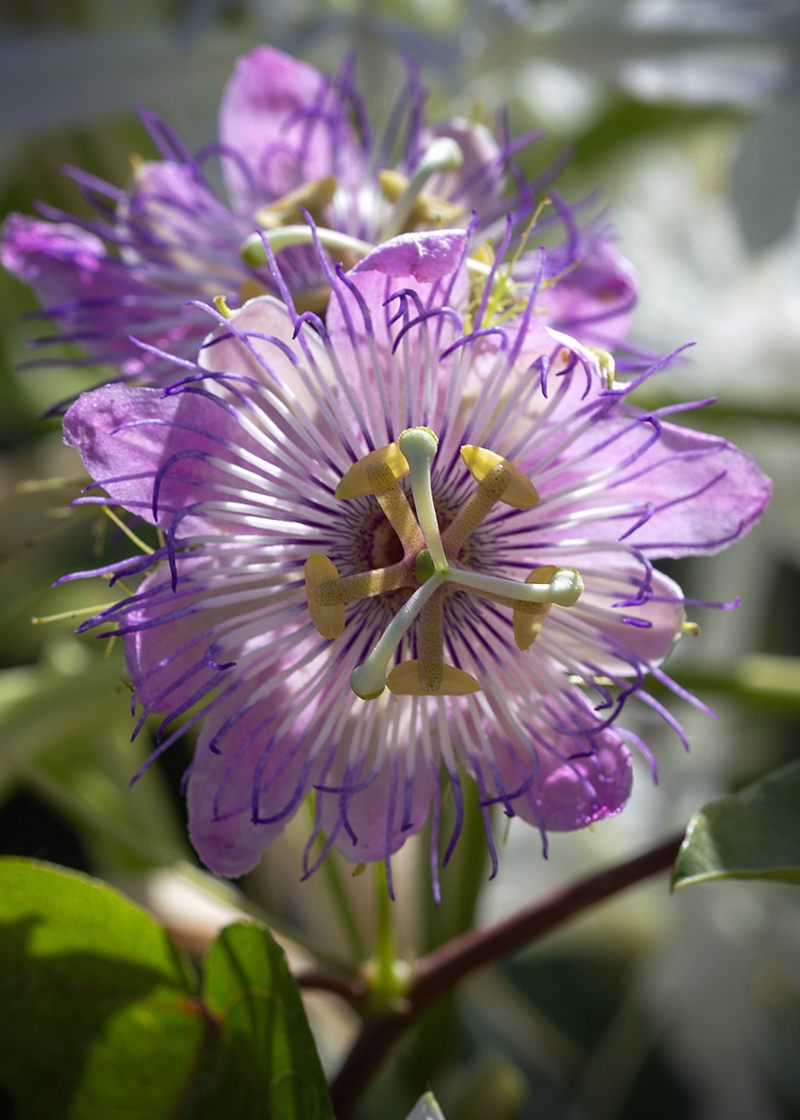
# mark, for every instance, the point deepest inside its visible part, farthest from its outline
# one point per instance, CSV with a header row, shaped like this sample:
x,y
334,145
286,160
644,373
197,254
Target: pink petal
x,y
424,257
478,183
570,792
378,815
264,118
220,791
125,435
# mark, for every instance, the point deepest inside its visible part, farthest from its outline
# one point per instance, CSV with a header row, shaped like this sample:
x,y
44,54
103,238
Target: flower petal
x,y
221,786
287,124
570,791
424,257
126,437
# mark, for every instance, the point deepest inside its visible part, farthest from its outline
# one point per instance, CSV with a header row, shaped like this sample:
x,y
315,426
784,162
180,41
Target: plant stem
x,y
385,947
341,900
439,971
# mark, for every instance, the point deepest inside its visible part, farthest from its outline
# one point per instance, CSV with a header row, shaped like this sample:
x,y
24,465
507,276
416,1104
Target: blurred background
x,y
686,116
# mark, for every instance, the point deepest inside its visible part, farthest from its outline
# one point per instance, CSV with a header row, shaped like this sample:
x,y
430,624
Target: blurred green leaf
x,y
264,1062
97,1015
65,729
754,834
100,1017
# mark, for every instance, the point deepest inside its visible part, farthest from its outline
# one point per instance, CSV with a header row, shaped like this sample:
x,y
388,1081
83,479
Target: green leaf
x,y
263,1061
97,1013
754,834
100,1017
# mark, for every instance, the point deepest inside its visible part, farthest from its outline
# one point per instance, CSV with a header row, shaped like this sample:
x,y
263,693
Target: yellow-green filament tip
x,y
328,620
253,252
606,363
222,307
356,484
520,491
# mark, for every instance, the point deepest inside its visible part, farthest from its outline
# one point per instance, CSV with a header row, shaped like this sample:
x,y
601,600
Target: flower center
x,y
429,566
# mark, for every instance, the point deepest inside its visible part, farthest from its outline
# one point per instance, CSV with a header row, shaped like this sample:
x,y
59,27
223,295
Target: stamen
x,y
520,493
478,505
362,585
690,628
222,306
253,252
429,676
368,680
527,624
249,289
394,504
564,587
428,209
313,197
129,533
355,484
444,154
328,620
430,640
405,680
419,447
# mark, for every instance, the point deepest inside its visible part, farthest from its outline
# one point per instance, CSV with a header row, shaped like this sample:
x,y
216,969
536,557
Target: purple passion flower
x,y
293,142
412,541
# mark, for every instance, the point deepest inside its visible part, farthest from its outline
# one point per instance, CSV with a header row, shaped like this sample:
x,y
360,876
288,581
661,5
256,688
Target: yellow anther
x,y
690,628
520,491
328,621
135,160
284,211
405,680
607,364
528,623
312,299
428,209
484,253
356,484
249,289
222,307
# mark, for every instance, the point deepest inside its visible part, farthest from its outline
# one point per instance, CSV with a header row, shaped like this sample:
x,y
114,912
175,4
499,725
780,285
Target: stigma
x,y
430,568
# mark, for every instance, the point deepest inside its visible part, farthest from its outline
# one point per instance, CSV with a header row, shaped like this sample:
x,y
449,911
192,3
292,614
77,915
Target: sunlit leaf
x,y
754,834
